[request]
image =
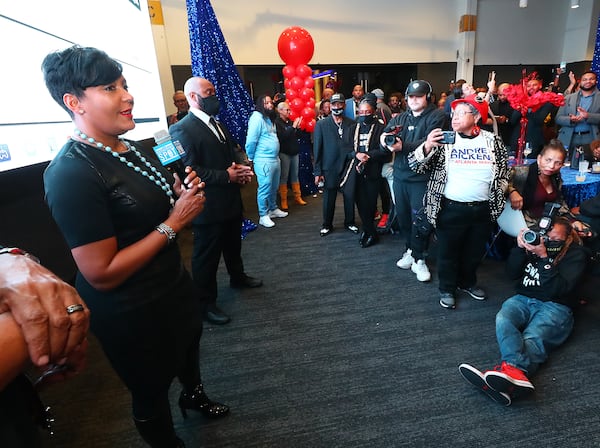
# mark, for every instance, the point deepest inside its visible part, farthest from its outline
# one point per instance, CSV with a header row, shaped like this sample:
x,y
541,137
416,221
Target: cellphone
x,y
448,137
563,66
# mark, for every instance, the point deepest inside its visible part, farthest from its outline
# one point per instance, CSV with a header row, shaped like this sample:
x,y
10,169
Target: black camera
x,y
393,136
448,137
531,236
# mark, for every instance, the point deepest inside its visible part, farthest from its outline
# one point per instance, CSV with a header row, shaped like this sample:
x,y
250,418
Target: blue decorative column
x,y
596,59
212,60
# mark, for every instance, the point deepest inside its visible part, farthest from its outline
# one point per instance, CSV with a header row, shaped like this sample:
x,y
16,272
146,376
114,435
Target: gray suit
x,y
565,134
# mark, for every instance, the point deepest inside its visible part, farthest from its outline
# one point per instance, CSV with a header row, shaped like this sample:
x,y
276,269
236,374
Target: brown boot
x,y
297,194
283,194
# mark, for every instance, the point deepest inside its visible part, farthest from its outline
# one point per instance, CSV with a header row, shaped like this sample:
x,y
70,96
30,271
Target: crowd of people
x,y
442,166
452,177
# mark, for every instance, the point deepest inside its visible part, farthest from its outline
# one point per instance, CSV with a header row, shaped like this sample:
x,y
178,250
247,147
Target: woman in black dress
x,y
120,211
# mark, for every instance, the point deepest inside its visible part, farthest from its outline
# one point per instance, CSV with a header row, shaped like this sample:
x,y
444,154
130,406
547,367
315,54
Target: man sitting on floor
x,y
539,317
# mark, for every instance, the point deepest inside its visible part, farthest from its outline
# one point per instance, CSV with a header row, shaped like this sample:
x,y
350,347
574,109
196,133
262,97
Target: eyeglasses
x,y
460,113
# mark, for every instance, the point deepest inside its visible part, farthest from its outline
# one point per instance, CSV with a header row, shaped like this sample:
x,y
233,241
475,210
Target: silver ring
x,y
74,308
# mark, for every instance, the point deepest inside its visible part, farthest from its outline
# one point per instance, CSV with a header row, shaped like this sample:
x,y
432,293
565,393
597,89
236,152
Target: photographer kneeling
x,y
539,317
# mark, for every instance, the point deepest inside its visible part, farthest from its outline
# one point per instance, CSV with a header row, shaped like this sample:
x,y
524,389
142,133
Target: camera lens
x,y
531,237
390,140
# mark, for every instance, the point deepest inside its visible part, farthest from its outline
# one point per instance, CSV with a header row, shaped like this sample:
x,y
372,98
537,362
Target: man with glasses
x,y
539,317
180,102
465,195
580,115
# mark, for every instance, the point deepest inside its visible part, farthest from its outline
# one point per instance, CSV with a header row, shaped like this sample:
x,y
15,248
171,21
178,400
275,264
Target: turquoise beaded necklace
x,y
154,175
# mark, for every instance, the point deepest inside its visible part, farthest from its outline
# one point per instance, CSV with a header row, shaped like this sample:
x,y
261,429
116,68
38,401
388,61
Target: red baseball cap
x,y
477,102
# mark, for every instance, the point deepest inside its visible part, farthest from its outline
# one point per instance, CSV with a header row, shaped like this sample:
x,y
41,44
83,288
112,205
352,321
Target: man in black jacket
x,y
539,317
330,153
413,126
211,151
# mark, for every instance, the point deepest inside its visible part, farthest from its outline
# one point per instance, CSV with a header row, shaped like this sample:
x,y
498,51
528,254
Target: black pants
x,y
385,195
462,231
329,197
409,200
210,241
366,202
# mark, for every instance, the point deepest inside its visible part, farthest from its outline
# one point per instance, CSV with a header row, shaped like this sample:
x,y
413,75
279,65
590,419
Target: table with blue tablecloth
x,y
576,192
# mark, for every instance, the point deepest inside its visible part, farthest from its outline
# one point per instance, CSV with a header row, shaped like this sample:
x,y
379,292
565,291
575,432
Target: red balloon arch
x,y
296,48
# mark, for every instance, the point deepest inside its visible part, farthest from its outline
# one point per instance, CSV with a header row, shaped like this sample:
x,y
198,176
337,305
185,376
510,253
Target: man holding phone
x,y
465,194
420,119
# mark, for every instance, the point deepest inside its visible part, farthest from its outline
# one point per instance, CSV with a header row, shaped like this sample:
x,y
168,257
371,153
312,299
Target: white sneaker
x,y
277,213
422,271
265,221
406,261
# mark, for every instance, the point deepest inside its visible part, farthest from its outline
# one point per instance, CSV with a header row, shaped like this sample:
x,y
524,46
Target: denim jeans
x,y
267,175
527,329
289,168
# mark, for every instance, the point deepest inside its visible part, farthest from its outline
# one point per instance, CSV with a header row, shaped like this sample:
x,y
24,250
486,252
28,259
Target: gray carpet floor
x,y
340,348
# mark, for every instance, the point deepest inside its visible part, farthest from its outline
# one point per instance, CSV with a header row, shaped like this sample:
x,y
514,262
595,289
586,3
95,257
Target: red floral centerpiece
x,y
517,96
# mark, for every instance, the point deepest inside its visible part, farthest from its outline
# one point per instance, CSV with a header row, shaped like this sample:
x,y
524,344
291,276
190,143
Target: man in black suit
x,y
329,153
211,151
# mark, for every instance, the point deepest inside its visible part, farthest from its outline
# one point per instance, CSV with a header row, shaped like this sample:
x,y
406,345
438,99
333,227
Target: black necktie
x,y
213,123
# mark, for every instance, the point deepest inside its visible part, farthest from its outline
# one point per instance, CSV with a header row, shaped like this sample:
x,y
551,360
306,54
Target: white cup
x,y
583,166
596,167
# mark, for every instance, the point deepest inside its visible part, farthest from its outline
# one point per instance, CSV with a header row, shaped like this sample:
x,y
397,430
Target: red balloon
x,y
295,46
289,71
287,83
308,113
306,93
310,126
304,71
293,115
311,103
296,105
297,83
290,94
309,82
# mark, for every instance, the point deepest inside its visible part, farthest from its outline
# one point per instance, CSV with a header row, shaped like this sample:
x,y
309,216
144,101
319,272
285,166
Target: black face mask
x,y
366,119
337,112
211,105
553,248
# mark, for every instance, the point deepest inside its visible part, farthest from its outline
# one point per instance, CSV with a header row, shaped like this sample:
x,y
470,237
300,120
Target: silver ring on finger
x,y
75,308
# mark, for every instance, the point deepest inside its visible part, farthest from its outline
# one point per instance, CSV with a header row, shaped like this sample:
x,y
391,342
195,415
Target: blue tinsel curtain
x,y
596,60
212,60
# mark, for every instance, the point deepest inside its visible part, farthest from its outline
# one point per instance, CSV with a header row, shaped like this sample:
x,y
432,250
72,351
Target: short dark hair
x,y
589,72
556,145
75,69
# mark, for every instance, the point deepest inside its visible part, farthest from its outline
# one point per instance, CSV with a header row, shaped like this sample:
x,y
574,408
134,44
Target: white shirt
x,y
206,119
470,168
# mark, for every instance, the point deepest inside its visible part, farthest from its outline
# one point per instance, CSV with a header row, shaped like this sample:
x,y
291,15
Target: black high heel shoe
x,y
199,401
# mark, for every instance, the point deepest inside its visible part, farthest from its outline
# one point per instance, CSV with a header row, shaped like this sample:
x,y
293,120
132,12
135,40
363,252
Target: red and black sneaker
x,y
508,379
475,377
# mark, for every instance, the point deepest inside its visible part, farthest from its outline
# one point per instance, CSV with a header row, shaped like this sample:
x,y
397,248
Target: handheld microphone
x,y
169,153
